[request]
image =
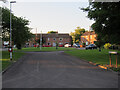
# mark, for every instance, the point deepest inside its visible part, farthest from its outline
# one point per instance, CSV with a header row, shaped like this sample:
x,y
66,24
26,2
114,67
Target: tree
x,y
76,35
107,18
20,30
52,32
43,41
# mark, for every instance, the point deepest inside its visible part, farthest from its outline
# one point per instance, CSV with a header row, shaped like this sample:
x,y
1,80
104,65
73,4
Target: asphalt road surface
x,y
57,70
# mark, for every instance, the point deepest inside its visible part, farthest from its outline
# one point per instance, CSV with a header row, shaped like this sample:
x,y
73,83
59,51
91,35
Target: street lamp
x,y
10,29
41,41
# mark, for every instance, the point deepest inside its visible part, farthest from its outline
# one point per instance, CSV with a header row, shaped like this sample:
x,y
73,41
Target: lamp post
x,y
10,49
41,41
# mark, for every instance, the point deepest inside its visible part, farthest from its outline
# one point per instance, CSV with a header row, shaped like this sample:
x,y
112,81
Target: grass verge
x,y
6,58
95,56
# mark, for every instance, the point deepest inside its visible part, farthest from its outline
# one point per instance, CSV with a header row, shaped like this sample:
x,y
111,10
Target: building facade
x,y
51,39
89,37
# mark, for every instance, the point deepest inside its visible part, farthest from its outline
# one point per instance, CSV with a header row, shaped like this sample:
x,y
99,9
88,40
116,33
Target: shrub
x,y
107,45
83,43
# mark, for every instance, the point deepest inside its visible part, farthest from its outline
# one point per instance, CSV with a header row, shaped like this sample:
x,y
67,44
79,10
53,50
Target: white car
x,y
67,45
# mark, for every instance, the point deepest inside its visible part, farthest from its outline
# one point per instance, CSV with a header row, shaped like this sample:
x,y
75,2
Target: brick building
x,y
88,37
51,39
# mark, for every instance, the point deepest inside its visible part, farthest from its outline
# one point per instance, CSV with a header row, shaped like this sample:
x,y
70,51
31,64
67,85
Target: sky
x,y
53,15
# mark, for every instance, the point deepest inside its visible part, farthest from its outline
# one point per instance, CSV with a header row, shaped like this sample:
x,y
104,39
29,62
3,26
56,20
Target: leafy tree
x,y
38,40
20,29
52,32
107,18
76,35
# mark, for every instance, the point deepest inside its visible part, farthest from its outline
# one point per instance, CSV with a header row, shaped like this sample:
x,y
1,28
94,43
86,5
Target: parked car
x,y
76,45
67,45
91,46
60,45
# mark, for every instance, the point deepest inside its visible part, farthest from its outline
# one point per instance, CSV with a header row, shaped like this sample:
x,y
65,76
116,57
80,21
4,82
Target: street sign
x,y
114,53
10,49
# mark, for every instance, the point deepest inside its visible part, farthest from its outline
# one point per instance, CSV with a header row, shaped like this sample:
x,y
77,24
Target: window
x,y
48,39
90,36
60,43
86,37
54,39
60,39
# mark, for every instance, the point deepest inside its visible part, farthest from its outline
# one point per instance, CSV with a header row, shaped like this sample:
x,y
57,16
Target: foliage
x,y
107,19
20,29
107,45
38,40
52,32
76,35
83,44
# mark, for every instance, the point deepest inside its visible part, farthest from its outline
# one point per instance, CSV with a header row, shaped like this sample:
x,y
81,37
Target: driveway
x,y
56,70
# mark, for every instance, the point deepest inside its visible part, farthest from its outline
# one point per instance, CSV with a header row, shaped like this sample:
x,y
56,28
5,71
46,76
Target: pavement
x,y
56,70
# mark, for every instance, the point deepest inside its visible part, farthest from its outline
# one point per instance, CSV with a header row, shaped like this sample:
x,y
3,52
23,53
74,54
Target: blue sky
x,y
63,17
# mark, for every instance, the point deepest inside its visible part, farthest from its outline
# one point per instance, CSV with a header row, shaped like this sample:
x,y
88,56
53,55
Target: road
x,y
3,49
57,70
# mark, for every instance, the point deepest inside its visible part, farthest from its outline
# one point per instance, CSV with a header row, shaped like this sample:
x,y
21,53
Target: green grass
x,y
46,49
6,58
94,56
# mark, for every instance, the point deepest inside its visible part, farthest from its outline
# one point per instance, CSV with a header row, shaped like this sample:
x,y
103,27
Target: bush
x,y
83,43
107,45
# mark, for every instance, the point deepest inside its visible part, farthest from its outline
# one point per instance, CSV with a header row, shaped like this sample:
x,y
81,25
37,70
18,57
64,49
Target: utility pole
x,y
36,38
89,34
10,48
41,41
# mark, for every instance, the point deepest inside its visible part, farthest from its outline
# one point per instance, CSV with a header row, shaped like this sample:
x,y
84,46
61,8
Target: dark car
x,y
91,46
76,45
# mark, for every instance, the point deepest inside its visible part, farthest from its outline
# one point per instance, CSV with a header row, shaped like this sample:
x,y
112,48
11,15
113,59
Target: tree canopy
x,y
76,35
107,19
20,30
52,32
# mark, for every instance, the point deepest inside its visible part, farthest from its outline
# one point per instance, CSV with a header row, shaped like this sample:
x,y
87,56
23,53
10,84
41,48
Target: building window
x,y
60,39
90,36
94,36
60,43
54,39
48,39
86,37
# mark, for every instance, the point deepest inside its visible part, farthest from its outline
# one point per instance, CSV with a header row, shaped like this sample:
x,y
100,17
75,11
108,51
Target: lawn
x,y
94,56
6,59
46,49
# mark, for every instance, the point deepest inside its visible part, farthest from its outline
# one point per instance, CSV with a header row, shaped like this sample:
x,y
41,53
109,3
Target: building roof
x,y
54,35
88,33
